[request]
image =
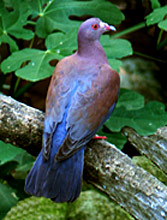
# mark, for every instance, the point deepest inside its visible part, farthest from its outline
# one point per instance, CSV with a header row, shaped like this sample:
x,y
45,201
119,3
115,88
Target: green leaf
x,y
116,48
129,99
145,120
115,64
36,62
55,15
16,159
36,69
7,198
163,25
65,44
25,163
11,23
155,4
8,152
156,16
5,38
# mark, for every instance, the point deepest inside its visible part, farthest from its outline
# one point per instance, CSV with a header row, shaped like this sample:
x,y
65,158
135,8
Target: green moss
x,y
37,208
91,205
95,206
151,168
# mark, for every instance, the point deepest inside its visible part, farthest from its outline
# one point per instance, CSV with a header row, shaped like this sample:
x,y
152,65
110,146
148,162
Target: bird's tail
x,y
59,181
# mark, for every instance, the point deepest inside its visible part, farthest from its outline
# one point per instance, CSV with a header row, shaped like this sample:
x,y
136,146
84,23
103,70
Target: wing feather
x,y
59,94
91,105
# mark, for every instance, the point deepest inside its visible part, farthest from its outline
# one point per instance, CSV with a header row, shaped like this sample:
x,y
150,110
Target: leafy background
x,y
34,35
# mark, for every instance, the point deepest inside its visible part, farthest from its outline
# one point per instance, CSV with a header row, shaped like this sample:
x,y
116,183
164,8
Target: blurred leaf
x,y
55,15
145,120
156,16
7,198
163,25
155,4
8,152
11,23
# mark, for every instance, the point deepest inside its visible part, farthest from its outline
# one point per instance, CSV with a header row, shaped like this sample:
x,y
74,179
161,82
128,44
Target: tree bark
x,y
106,167
20,124
154,147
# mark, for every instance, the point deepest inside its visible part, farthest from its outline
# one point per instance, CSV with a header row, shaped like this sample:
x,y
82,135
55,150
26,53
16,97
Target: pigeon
x,y
81,96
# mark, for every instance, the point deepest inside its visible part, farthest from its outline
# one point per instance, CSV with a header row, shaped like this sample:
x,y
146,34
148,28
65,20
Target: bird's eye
x,y
95,26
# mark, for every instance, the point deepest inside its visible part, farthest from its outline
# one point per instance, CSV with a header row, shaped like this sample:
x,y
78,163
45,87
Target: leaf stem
x,y
32,42
16,85
129,30
159,37
23,90
149,57
48,4
162,44
31,22
18,78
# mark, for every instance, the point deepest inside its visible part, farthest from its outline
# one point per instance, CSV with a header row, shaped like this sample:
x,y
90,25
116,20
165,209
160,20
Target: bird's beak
x,y
107,27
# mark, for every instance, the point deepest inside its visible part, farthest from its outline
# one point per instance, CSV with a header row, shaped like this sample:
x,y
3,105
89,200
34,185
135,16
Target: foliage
x,y
145,120
14,164
11,23
9,153
155,4
8,197
158,16
33,64
131,111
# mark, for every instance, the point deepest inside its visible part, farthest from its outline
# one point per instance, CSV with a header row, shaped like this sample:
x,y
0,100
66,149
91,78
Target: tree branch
x,y
107,168
20,124
134,189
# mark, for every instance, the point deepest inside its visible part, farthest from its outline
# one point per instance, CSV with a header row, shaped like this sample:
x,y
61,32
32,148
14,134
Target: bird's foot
x,y
100,137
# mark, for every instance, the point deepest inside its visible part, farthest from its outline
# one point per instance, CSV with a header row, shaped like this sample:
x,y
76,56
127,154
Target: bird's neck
x,y
91,49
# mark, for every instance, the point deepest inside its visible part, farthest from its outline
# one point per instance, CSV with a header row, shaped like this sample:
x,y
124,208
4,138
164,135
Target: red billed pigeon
x,y
82,95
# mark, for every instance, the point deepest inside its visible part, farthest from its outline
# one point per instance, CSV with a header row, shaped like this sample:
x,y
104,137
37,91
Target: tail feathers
x,y
60,181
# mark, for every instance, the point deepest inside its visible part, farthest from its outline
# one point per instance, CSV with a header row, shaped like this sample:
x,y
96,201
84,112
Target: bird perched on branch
x,y
82,95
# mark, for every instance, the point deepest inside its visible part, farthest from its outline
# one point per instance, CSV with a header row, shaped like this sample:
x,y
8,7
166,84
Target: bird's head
x,y
93,28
